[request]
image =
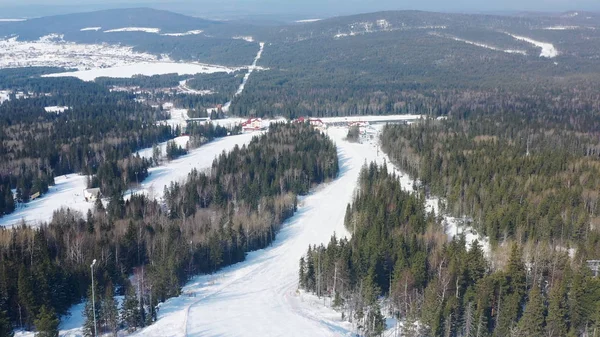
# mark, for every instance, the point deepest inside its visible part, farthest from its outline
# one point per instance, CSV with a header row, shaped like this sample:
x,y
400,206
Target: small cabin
x,y
91,194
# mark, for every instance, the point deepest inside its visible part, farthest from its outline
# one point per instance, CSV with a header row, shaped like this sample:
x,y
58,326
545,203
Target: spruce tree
x,y
532,324
46,323
5,326
558,311
110,313
130,312
302,274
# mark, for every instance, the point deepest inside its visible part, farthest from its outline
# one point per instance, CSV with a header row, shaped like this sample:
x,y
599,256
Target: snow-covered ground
x,y
56,109
562,28
482,45
134,29
184,88
258,297
371,119
307,20
67,192
245,38
178,169
53,51
4,96
147,69
12,20
87,29
190,32
548,49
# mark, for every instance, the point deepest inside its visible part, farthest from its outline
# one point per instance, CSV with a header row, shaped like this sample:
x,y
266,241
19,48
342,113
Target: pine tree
x,y
5,326
46,323
533,321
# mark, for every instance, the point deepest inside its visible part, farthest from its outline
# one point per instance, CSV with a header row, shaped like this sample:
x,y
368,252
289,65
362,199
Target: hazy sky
x,y
310,7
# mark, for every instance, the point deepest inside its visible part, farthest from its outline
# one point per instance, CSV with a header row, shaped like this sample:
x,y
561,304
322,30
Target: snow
x,y
67,192
191,32
371,119
562,28
548,49
308,20
247,298
134,29
184,88
90,29
4,96
146,69
12,20
178,169
53,51
384,24
509,51
178,117
245,38
56,109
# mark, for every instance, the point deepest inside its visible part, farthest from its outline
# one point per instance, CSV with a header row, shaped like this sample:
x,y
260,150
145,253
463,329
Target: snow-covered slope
x,y
258,297
548,49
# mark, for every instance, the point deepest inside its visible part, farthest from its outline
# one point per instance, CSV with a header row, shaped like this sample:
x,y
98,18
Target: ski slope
x,y
68,190
258,296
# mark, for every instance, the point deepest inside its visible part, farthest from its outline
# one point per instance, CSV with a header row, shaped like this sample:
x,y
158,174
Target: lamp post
x,y
93,299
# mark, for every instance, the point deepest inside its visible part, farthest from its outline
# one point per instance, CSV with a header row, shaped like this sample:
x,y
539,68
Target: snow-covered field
x,y
371,119
67,192
134,29
548,49
147,69
307,20
56,109
53,51
245,38
190,32
88,29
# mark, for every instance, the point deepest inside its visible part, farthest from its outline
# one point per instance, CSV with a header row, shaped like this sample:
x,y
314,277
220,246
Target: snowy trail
x,y
258,296
251,69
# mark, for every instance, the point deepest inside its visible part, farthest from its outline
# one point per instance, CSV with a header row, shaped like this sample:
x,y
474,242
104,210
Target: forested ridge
x,y
209,221
441,288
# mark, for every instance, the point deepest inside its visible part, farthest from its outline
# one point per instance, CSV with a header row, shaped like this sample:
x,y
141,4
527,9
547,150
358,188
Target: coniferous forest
x,y
441,288
209,221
